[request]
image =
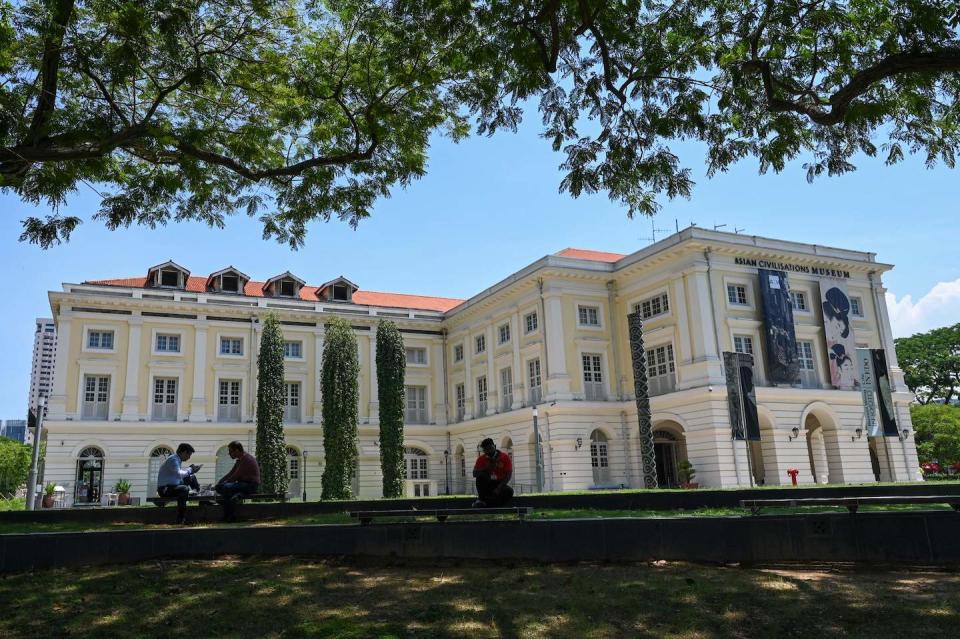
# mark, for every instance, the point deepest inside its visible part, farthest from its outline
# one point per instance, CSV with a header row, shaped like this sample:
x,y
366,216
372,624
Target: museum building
x,y
144,363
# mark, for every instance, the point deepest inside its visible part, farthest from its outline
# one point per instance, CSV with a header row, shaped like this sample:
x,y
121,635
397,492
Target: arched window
x,y
599,457
293,472
224,463
415,464
157,456
89,486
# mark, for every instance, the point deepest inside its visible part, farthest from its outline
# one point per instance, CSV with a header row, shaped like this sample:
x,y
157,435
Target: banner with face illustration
x,y
838,332
783,364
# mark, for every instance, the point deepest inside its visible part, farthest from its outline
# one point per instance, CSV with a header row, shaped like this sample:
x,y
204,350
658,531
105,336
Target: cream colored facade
x,y
555,317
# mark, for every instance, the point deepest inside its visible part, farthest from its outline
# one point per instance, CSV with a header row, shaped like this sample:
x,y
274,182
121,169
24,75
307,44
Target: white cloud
x,y
939,307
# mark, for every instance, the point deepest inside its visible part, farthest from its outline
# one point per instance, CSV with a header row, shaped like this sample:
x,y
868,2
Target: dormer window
x,y
341,292
288,288
338,290
168,275
228,280
284,285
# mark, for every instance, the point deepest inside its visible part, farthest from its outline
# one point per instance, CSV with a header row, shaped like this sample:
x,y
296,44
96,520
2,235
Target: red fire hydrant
x,y
793,472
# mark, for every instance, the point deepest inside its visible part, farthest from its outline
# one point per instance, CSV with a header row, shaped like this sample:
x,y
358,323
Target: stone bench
x,y
851,503
206,500
366,516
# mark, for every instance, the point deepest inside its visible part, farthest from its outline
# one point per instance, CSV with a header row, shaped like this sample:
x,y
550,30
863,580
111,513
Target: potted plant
x,y
48,498
123,492
687,472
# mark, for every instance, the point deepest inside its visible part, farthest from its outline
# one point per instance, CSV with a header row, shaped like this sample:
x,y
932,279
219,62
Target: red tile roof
x,y
593,256
198,284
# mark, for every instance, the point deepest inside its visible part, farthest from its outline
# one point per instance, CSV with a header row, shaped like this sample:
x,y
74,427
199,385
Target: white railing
x,y
536,395
808,379
165,412
661,385
291,414
228,413
593,391
507,402
481,409
94,410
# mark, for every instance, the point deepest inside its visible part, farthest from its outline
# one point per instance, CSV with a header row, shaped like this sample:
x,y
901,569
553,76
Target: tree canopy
x,y
931,363
302,110
938,433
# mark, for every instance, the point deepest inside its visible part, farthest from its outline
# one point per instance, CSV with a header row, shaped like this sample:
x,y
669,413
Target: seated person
x,y
243,479
493,470
175,482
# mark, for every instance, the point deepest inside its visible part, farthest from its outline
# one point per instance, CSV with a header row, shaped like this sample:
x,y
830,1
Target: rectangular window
x,y
461,393
503,334
737,294
592,377
506,389
481,396
652,307
291,402
856,306
168,343
170,278
481,343
165,399
100,339
231,346
743,344
293,350
661,372
798,300
530,322
417,356
96,397
228,409
588,315
458,353
230,283
808,371
416,398
533,379
288,288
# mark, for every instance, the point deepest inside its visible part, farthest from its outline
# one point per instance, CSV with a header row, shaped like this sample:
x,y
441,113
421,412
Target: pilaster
x,y
198,402
518,374
557,379
57,402
130,411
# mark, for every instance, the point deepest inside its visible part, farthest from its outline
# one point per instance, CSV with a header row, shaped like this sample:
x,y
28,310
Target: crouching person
x,y
493,470
175,482
242,480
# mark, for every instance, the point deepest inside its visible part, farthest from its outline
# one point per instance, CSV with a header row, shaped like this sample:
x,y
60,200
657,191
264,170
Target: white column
x,y
57,402
131,388
374,409
706,366
468,382
493,384
518,377
558,381
318,335
198,402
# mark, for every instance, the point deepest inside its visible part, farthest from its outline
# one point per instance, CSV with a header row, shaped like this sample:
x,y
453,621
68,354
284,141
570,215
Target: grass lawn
x,y
301,597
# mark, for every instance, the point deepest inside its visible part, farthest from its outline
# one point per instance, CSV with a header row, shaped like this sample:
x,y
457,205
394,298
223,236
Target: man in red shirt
x,y
493,470
242,480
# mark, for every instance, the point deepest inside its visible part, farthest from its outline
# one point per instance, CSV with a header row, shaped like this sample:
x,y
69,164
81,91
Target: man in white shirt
x,y
175,482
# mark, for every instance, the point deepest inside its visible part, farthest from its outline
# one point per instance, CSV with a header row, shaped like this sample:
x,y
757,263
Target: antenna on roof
x,y
676,224
736,230
653,231
717,227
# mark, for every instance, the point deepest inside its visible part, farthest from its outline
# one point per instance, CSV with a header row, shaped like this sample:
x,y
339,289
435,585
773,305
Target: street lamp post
x,y
303,474
446,470
34,465
537,451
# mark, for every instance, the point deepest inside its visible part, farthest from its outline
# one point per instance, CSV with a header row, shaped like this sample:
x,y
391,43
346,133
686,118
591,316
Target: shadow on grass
x,y
299,597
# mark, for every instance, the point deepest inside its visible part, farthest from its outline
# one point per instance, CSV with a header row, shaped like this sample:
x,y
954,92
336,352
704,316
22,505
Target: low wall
x,y
623,500
916,537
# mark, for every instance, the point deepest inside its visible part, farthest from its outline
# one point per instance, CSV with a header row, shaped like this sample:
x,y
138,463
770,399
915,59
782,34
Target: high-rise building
x,y
44,352
14,429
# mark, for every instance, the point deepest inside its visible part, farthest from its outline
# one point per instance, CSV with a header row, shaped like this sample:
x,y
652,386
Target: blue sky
x,y
490,206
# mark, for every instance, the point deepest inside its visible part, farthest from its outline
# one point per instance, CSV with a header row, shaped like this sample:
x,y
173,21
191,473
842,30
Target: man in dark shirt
x,y
243,479
493,470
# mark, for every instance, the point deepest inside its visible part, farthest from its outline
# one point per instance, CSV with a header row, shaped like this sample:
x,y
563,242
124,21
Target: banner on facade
x,y
885,394
741,397
838,334
867,388
783,364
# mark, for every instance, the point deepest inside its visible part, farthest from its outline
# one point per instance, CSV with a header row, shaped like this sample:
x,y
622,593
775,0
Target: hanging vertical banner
x,y
838,334
741,397
783,364
867,387
639,361
884,392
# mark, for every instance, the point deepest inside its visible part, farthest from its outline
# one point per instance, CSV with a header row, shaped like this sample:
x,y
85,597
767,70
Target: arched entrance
x,y
416,469
89,487
600,458
817,451
294,485
669,451
157,456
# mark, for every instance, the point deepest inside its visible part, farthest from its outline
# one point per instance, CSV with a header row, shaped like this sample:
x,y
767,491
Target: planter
x,y
123,499
48,501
